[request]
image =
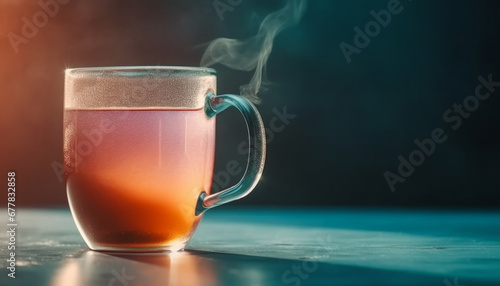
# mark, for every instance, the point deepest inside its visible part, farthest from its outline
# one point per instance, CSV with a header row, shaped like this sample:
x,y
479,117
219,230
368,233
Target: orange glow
x,y
81,33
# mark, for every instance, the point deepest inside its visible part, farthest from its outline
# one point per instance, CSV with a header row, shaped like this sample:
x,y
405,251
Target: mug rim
x,y
134,71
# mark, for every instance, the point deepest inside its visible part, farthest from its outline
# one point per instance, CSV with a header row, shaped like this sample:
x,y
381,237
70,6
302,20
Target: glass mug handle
x,y
215,104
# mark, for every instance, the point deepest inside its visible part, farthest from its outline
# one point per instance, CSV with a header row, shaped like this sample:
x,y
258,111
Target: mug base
x,y
126,249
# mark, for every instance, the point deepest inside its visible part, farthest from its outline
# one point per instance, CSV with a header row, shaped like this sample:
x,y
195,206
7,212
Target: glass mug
x,y
139,148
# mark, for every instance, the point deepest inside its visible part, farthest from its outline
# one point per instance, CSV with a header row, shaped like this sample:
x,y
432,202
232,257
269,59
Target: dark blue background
x,y
354,120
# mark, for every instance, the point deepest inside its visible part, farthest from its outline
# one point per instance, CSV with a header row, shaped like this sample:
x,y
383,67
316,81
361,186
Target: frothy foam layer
x,y
138,87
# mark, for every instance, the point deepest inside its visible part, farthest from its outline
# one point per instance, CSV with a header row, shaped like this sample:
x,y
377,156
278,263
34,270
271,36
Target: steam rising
x,y
253,53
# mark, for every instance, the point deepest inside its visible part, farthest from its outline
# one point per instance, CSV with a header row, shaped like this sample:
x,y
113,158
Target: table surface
x,y
272,247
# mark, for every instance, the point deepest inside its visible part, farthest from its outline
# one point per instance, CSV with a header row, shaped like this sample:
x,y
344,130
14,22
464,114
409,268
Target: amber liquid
x,y
134,176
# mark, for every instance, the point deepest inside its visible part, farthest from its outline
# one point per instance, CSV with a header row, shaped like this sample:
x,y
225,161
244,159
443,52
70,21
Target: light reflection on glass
x,y
190,268
116,269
